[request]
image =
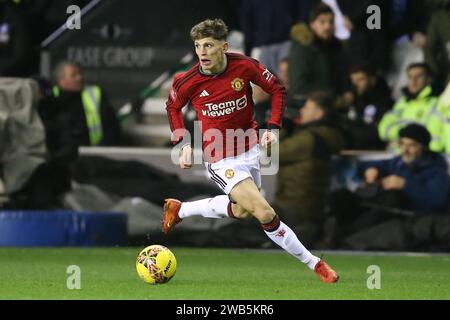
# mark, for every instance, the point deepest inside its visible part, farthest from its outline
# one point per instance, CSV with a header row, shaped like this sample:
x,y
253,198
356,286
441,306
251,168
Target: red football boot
x,y
171,218
325,273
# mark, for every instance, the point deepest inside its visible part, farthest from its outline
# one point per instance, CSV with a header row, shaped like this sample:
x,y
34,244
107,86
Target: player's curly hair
x,y
214,28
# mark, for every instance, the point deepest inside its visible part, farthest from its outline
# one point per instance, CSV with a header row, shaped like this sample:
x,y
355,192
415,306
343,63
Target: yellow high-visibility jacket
x,y
423,110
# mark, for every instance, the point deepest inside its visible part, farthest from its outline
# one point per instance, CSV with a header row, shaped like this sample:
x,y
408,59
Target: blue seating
x,y
62,228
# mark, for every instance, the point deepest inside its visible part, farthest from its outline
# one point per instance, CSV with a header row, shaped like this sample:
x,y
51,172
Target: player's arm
x,y
175,103
271,85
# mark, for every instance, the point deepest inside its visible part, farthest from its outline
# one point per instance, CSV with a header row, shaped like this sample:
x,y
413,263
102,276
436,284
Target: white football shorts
x,y
228,172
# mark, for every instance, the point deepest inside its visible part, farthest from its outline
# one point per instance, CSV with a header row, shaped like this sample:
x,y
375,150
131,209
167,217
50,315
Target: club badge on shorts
x,y
237,84
229,173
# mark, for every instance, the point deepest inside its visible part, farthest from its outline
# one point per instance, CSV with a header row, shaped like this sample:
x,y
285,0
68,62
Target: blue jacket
x,y
427,180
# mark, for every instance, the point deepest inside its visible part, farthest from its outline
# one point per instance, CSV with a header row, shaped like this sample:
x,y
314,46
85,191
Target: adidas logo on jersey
x,y
204,94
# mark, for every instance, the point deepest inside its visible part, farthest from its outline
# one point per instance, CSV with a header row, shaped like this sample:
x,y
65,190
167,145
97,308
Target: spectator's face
x,y
410,149
323,26
362,82
72,80
211,54
310,112
417,80
284,73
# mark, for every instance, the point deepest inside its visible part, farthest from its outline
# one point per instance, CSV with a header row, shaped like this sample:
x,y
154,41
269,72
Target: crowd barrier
x,y
62,228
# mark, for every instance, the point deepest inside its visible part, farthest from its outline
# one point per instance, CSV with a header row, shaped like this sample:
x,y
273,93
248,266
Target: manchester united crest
x,y
237,84
229,173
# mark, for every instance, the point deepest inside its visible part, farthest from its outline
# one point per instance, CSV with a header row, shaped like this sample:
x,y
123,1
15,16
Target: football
x,y
156,264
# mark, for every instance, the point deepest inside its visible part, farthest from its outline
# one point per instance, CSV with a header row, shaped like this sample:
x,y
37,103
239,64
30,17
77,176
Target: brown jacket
x,y
305,169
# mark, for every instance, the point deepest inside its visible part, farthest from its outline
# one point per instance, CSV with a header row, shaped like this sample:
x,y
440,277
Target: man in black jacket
x,y
316,59
93,120
371,98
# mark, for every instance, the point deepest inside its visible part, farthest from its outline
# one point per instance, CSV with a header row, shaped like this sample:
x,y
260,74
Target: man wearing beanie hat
x,y
403,199
419,174
417,133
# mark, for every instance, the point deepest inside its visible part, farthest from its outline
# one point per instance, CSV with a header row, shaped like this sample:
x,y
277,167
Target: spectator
x,y
266,25
418,104
15,44
305,168
406,22
341,30
62,144
304,8
401,199
364,44
371,98
420,175
316,60
444,109
93,119
437,48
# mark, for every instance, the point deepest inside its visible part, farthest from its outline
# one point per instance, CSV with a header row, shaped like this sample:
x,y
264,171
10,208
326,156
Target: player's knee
x,y
246,215
264,214
240,213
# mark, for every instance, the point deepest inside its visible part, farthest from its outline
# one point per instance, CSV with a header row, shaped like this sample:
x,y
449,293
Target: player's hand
x,y
371,175
186,157
268,138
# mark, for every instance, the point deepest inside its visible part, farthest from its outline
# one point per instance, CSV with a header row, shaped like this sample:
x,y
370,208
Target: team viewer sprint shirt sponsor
x,y
224,105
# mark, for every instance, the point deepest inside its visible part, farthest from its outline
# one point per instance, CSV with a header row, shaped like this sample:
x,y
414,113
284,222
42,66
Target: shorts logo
x,y
229,173
237,84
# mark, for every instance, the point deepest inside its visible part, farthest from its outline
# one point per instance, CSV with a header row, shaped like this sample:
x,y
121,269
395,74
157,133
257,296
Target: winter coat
x,y
71,107
365,114
315,65
366,45
427,181
305,168
437,48
420,108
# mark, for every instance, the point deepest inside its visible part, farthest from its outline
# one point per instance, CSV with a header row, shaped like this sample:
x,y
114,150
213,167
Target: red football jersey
x,y
224,105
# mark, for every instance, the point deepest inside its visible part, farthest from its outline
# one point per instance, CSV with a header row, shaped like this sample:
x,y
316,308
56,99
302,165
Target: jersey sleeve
x,y
262,77
177,99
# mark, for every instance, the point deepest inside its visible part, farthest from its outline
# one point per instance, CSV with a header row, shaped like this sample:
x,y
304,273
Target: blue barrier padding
x,y
62,228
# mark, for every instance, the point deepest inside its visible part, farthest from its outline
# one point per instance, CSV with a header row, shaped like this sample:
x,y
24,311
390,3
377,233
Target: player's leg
x,y
225,174
248,196
217,208
174,210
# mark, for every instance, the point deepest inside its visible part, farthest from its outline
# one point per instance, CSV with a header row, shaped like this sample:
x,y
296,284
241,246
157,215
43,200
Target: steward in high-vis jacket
x,y
93,120
419,104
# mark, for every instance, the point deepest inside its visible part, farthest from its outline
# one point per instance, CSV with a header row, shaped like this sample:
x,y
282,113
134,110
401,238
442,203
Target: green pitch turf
x,y
217,274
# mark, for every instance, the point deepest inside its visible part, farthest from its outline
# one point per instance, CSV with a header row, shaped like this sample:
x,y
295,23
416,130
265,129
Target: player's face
x,y
323,26
72,80
417,80
211,54
410,149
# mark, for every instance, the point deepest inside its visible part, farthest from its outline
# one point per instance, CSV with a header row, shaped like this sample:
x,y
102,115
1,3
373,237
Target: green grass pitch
x,y
109,273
